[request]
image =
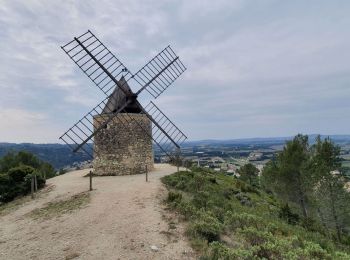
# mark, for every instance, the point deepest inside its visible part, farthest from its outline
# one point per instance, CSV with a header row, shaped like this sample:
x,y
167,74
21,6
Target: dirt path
x,y
123,220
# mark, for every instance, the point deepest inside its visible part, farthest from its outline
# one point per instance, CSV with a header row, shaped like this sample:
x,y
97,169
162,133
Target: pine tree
x,y
330,194
249,173
289,173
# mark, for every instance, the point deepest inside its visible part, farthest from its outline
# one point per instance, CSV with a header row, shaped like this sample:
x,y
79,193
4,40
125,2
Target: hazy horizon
x,y
214,139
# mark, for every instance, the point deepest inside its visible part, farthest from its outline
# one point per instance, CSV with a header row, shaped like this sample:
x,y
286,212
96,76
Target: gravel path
x,y
123,220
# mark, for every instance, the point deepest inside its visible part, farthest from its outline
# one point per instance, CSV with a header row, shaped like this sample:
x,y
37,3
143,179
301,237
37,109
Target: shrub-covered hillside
x,y
16,171
230,219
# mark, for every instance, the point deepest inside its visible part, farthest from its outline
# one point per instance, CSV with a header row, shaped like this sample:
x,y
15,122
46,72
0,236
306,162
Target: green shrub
x,y
219,251
242,220
21,158
206,226
254,236
181,185
17,182
245,187
174,197
4,180
315,251
201,199
187,209
178,180
243,199
229,193
313,225
341,256
278,248
286,214
17,174
278,228
229,219
197,183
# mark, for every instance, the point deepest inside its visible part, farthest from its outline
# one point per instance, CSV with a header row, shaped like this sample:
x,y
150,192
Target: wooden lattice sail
x,y
119,118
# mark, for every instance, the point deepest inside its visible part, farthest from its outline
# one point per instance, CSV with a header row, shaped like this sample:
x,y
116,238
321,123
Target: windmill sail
x,y
103,68
79,135
96,61
159,73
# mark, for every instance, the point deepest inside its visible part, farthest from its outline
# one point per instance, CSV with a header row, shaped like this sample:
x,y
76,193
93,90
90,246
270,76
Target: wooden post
x,y
35,183
146,174
90,177
32,187
178,159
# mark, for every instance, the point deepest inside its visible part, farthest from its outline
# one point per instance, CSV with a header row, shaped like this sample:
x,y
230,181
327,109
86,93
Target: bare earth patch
x,y
122,218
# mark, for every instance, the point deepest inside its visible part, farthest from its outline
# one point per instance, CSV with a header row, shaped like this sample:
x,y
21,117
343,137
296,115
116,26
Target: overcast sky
x,y
255,68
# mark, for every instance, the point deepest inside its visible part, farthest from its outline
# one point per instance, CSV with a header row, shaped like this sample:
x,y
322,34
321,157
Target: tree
x,y
8,161
17,182
249,173
11,160
289,173
29,159
330,194
16,171
268,179
46,170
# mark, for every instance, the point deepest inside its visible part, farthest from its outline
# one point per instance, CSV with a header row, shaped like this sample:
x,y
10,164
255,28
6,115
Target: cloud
x,y
254,68
24,126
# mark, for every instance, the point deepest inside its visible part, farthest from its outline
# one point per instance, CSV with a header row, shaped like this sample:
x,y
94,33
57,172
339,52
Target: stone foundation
x,y
123,149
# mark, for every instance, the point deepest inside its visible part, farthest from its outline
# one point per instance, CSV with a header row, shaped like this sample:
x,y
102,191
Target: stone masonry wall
x,y
123,148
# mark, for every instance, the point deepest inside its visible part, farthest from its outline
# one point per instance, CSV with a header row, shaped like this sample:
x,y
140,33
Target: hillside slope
x,y
229,219
120,219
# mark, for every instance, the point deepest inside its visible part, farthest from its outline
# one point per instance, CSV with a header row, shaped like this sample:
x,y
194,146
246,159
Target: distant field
x,y
239,162
346,157
346,163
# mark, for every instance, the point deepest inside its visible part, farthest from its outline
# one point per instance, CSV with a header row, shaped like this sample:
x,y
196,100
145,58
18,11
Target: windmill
x,y
119,132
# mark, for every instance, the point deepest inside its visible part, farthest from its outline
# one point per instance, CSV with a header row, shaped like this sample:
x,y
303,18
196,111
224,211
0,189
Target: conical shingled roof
x,y
118,98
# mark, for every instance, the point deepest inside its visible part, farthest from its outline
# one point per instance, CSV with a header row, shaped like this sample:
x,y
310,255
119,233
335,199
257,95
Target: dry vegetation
x,y
58,208
7,208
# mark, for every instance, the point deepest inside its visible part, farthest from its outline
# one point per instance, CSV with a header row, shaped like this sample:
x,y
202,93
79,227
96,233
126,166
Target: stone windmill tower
x,y
119,132
121,147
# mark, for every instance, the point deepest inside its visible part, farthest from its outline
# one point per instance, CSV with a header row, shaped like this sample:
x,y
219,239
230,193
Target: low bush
x,y
201,199
219,251
187,209
254,236
174,197
242,220
207,227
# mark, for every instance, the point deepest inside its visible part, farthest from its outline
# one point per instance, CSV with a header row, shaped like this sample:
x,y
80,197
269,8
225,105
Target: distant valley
x,y
215,153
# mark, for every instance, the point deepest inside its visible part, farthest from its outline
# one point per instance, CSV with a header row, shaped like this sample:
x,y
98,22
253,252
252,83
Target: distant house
x,y
347,186
230,171
254,156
